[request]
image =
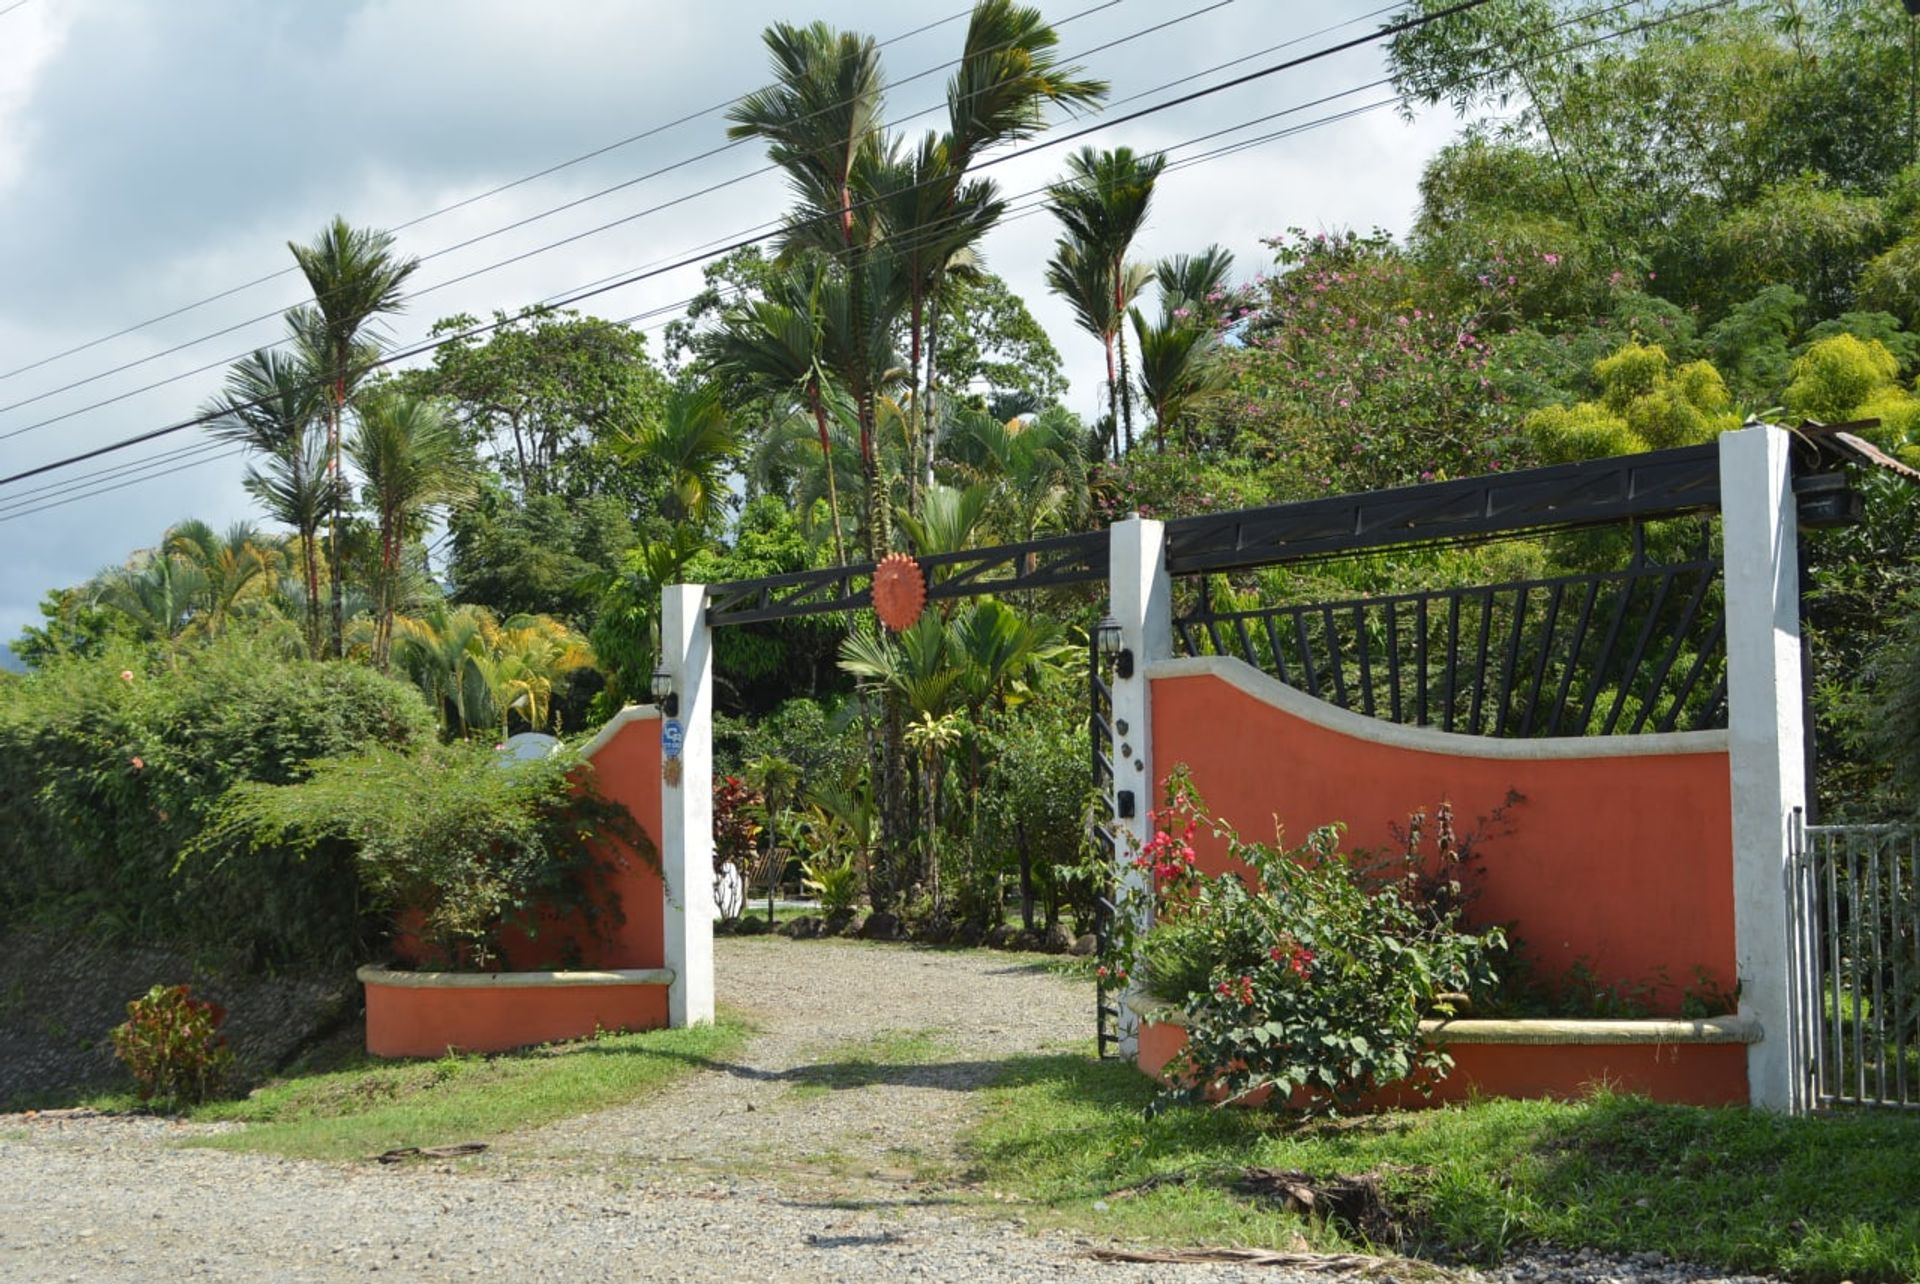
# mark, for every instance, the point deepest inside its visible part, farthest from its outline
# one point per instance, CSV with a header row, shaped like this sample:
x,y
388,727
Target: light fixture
x,y
663,693
1124,804
1111,641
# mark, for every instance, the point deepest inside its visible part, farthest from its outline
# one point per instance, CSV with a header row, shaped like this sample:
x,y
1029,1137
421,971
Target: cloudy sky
x,y
153,154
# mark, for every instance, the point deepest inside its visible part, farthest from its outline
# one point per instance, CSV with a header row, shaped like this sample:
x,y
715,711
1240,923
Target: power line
x,y
743,243
1033,208
508,227
459,204
539,249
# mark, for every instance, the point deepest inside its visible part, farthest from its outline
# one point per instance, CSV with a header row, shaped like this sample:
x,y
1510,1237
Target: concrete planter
x,y
1700,1063
423,1014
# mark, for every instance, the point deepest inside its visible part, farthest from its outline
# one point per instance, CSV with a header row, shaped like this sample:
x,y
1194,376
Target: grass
x,y
1821,1199
364,1106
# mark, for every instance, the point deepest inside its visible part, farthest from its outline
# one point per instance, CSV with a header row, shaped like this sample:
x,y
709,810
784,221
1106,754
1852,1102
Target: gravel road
x,y
804,1160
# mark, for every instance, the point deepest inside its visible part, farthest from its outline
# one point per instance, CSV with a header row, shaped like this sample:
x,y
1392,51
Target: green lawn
x,y
1818,1199
366,1106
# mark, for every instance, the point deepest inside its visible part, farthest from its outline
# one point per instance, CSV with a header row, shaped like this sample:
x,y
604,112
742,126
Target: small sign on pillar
x,y
673,738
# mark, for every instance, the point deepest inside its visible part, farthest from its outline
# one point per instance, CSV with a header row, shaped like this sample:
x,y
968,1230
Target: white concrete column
x,y
1140,596
686,803
1765,733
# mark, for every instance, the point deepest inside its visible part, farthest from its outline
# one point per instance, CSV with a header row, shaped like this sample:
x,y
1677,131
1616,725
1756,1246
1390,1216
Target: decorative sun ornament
x,y
899,591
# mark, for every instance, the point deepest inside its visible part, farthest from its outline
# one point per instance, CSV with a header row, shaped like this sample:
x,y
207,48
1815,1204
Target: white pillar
x,y
686,805
1140,596
1765,733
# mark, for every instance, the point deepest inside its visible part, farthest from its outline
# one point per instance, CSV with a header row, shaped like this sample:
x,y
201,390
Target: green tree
x,y
356,279
414,465
272,404
1102,204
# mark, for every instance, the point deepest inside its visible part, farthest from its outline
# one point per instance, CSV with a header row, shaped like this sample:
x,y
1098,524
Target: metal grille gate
x,y
1856,897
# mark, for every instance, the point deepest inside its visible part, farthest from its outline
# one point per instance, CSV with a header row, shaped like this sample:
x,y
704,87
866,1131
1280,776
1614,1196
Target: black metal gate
x,y
1106,1005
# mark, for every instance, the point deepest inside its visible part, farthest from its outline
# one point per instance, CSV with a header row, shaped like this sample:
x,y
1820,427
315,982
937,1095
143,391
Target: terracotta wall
x,y
1624,862
626,770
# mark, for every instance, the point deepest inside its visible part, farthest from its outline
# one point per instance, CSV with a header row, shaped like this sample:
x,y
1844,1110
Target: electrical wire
x,y
983,164
460,204
505,228
395,357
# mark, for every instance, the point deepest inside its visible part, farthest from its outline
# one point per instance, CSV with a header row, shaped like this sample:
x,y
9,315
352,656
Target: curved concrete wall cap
x,y
1271,691
632,713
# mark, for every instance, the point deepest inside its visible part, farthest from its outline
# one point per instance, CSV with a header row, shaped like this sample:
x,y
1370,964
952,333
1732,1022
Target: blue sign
x,y
673,737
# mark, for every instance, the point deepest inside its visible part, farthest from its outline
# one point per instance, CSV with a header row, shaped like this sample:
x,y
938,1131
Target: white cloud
x,y
163,152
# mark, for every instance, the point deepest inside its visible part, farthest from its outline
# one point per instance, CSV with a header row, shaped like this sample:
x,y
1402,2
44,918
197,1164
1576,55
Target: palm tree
x,y
161,596
1083,280
774,346
694,442
355,278
1191,281
1102,204
526,659
1180,369
411,456
272,405
1008,75
232,566
1037,468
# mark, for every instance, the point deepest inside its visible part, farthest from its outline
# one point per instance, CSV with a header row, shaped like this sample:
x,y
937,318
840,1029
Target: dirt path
x,y
817,1155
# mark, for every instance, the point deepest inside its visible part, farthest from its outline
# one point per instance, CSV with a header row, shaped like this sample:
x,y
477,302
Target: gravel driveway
x,y
804,1160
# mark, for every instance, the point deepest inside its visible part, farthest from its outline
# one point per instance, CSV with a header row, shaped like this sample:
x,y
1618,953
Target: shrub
x,y
835,880
111,765
471,844
1302,971
172,1045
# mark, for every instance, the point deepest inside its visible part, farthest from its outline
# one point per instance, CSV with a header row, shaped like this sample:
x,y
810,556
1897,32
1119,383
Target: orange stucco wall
x,y
1696,1074
425,1021
1623,863
626,770
405,1021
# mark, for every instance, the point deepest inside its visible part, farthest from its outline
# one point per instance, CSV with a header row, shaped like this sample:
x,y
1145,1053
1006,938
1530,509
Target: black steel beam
x,y
1658,484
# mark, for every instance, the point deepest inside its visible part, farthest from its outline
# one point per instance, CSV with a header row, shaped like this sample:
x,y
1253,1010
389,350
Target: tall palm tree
x,y
355,278
1083,280
1009,74
1180,369
774,346
1102,205
413,461
272,404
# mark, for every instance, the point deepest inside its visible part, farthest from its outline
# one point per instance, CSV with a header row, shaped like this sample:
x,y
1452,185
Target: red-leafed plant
x,y
172,1045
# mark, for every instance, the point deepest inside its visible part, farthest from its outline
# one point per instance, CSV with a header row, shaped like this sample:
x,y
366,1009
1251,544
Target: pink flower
x,y
138,763
126,675
1553,260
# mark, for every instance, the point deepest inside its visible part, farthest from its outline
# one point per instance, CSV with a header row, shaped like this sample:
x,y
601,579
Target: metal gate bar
x,y
1856,898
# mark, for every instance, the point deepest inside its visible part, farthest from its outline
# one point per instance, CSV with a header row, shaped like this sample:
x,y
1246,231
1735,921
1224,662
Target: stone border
x,y
1544,1032
374,974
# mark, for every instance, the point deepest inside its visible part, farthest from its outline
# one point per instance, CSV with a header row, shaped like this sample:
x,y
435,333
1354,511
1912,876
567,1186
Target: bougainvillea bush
x,y
1303,972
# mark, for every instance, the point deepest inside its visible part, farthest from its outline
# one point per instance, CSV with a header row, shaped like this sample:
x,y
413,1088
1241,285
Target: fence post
x,y
686,803
1766,737
1140,596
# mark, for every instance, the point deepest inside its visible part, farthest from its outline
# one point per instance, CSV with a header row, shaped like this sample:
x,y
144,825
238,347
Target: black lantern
x,y
1111,641
663,693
